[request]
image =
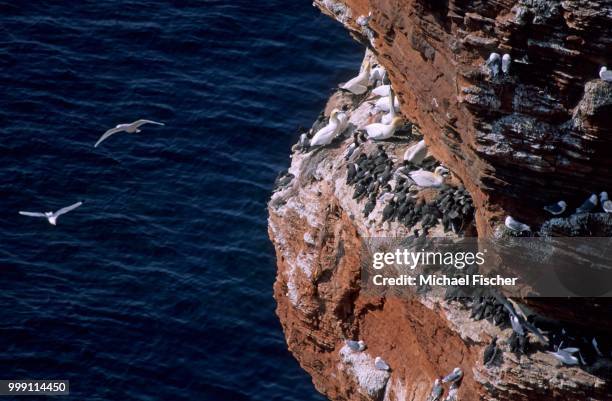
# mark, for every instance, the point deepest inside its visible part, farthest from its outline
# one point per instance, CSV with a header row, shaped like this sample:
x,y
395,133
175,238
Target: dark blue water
x,y
160,286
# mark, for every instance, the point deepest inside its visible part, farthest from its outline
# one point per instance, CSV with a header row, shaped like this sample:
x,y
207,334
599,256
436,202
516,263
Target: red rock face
x,y
517,141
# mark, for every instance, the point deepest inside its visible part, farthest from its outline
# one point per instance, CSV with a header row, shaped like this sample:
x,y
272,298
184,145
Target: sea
x,y
159,287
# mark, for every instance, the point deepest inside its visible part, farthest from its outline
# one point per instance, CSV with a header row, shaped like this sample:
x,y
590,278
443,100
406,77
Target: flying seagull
x,y
52,216
130,128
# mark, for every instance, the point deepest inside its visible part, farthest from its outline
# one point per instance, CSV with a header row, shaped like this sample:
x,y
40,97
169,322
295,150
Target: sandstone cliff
x,y
515,142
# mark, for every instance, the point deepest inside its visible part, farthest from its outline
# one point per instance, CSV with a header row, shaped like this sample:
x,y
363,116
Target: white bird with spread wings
x,y
130,128
52,216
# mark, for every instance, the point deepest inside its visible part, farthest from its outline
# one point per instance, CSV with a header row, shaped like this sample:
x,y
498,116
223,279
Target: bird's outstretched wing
x,y
107,134
142,122
66,209
33,214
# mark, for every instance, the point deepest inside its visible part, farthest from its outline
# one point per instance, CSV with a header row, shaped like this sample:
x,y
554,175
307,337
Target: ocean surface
x,y
160,286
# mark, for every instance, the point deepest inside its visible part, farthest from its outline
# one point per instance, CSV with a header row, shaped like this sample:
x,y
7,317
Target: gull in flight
x,y
52,216
130,128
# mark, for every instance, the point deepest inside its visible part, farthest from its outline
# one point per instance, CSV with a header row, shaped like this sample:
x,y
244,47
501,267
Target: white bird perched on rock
x,y
493,63
356,346
455,375
377,74
588,205
416,153
452,392
426,179
387,118
363,20
384,103
325,135
606,203
516,325
515,225
556,208
380,364
382,90
436,391
379,131
605,74
359,84
505,63
565,355
52,216
130,128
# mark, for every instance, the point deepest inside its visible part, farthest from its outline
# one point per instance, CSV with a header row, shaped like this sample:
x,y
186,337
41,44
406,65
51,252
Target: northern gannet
x,y
359,84
416,153
382,90
379,131
377,74
325,135
425,179
387,118
52,216
383,104
130,128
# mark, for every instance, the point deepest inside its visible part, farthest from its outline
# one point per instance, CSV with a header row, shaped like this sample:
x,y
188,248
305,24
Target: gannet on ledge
x,y
425,179
359,84
324,136
379,131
